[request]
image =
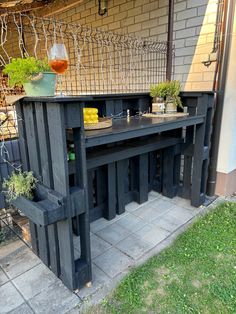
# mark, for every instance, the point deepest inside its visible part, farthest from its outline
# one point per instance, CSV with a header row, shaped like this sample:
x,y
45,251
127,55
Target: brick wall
x,y
194,26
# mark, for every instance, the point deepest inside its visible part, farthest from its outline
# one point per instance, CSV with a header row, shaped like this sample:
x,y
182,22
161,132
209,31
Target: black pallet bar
x,y
112,167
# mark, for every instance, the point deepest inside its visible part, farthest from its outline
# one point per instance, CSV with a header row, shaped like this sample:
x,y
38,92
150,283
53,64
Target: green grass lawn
x,y
197,274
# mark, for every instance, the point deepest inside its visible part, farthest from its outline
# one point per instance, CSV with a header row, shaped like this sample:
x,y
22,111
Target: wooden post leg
x,y
67,265
177,166
143,178
120,169
197,195
83,264
168,188
111,191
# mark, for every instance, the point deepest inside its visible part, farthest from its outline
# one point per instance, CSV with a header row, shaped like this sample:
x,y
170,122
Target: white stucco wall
x,y
227,149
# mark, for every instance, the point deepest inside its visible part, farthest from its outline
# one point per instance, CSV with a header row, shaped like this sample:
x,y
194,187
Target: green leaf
x,y
21,71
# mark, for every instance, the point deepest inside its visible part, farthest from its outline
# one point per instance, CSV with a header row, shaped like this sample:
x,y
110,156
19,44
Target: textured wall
x,y
194,26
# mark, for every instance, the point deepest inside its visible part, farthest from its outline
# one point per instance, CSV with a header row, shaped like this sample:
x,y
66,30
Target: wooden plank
x,y
118,107
22,136
98,158
134,179
187,173
143,178
135,128
144,104
35,166
111,188
34,237
47,179
32,138
110,110
197,194
81,178
41,213
101,185
155,171
168,172
121,167
44,145
177,168
56,128
90,188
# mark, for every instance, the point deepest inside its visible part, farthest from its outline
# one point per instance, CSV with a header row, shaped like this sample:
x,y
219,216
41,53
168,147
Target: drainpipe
x,y
223,60
170,40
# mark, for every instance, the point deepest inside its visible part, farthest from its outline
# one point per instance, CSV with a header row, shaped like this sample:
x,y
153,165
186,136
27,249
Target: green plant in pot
x,y
20,184
172,96
35,75
158,94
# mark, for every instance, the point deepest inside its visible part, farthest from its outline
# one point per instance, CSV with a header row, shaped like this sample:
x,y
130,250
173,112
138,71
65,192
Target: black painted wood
x,y
118,173
84,220
142,178
58,148
168,172
197,194
111,191
25,164
121,168
47,179
35,165
123,129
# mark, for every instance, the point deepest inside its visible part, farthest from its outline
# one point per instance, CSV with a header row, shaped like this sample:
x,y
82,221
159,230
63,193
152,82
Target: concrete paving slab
x,y
19,261
98,246
100,279
178,201
113,262
55,298
153,209
182,214
3,277
6,250
99,224
113,233
128,240
168,222
133,246
10,298
152,195
22,309
131,207
34,281
131,222
152,234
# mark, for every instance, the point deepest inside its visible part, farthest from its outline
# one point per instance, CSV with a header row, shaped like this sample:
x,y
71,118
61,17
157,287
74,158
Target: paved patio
x,y
27,286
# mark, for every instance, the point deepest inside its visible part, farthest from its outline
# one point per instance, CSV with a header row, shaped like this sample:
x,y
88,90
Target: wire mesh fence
x,y
99,61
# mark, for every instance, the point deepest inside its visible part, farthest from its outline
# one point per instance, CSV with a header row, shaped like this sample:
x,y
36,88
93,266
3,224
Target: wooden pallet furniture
x,y
112,167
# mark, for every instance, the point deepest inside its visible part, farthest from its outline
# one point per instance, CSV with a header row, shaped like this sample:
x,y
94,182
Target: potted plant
x,y
172,96
39,203
20,184
158,94
35,75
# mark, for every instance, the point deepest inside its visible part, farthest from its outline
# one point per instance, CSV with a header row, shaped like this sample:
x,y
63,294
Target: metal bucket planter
x,y
170,107
158,105
46,208
44,85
